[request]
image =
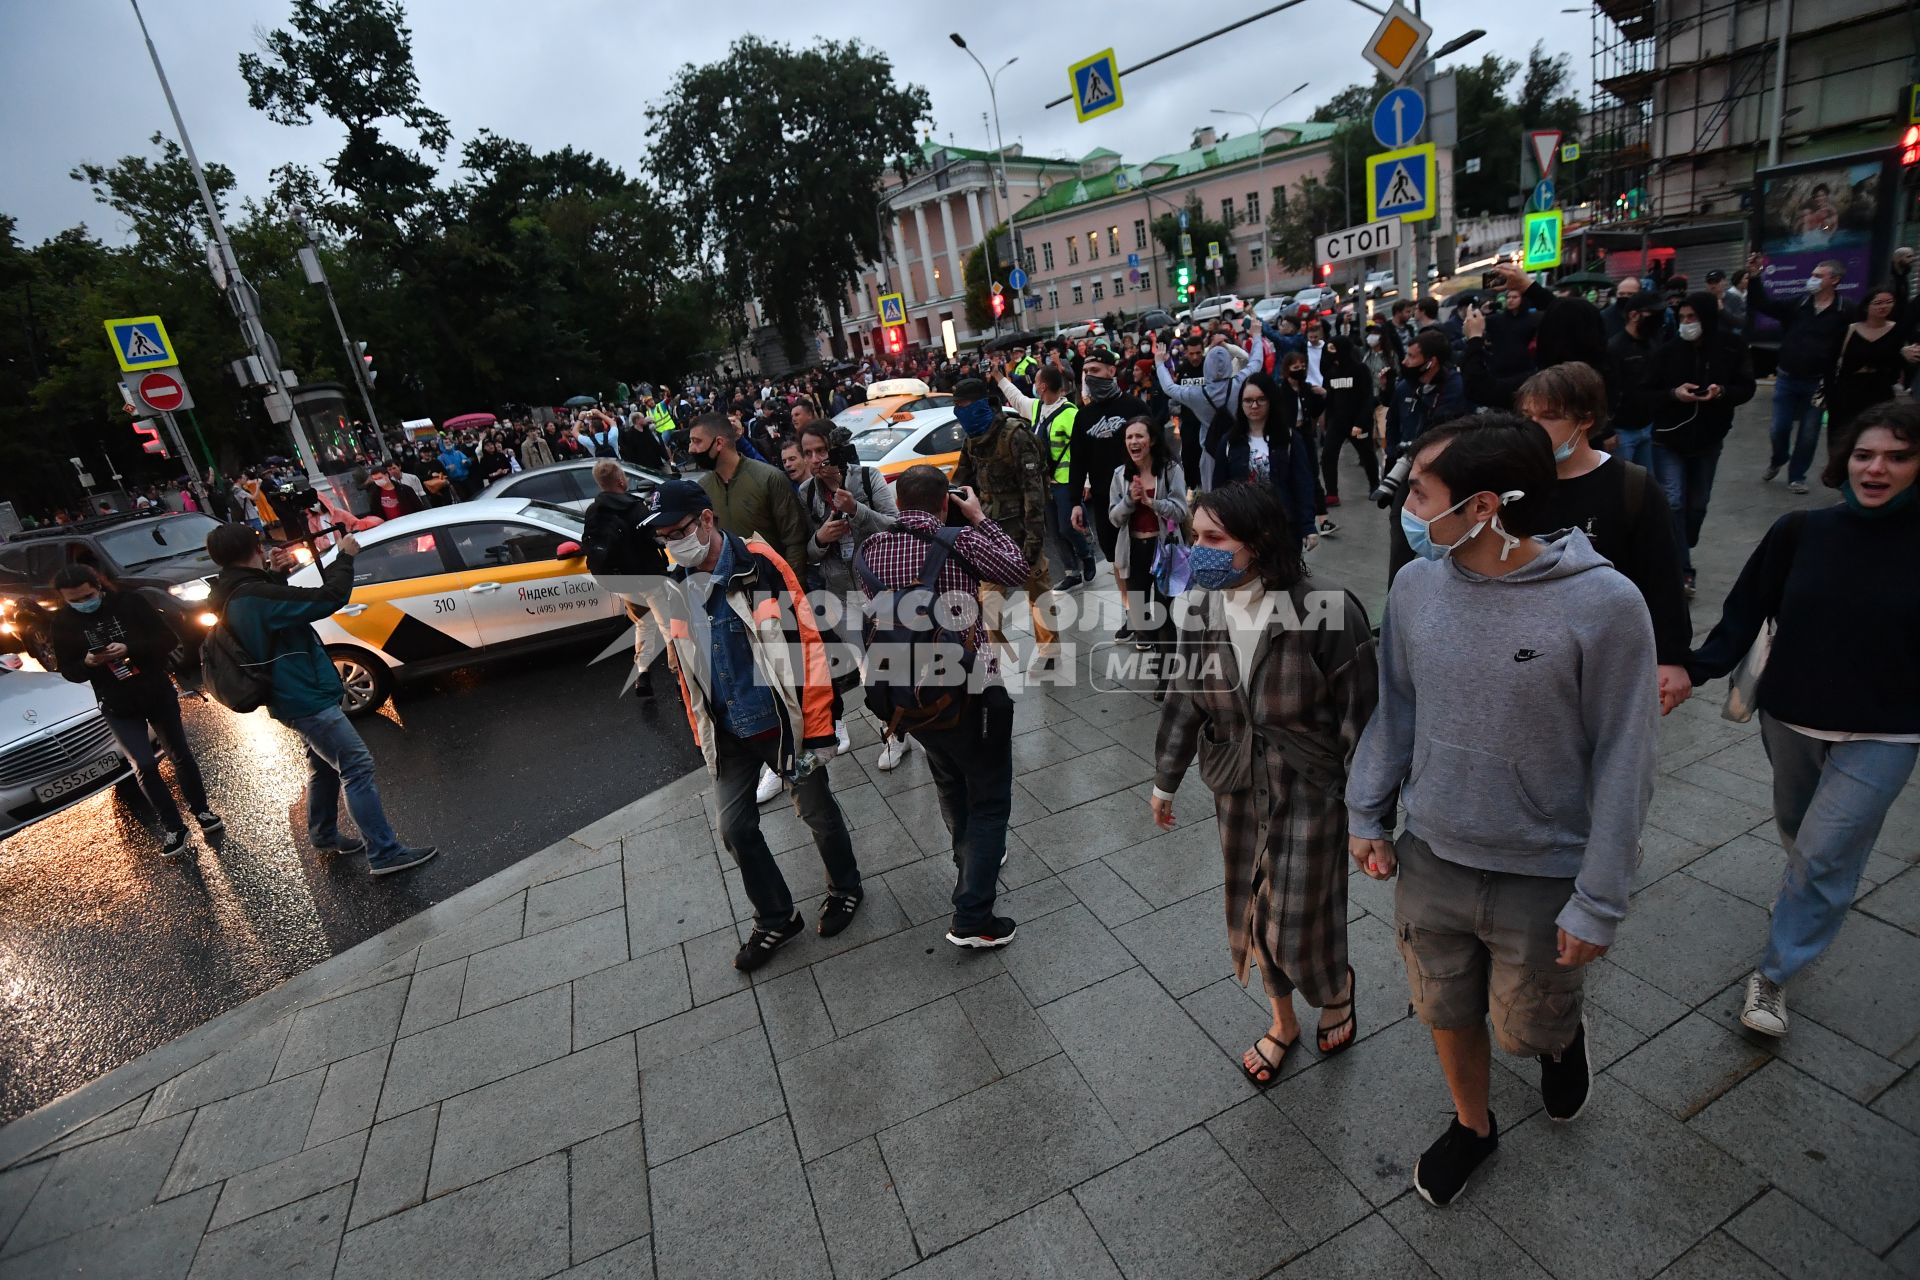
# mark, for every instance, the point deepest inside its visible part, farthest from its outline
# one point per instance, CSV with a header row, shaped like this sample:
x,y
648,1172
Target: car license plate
x,y
48,791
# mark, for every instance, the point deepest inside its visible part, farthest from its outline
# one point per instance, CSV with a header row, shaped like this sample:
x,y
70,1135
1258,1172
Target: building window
x,y
1027,253
1139,233
1280,201
1226,210
1093,246
1078,296
1073,251
1253,206
1046,254
1254,256
1119,286
1098,291
1053,299
1113,241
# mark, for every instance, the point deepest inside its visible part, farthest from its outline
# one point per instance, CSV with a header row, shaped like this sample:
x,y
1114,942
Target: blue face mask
x,y
1420,536
975,418
1213,568
87,606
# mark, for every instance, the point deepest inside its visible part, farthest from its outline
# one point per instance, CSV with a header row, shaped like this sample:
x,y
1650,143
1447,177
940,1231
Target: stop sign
x,y
163,391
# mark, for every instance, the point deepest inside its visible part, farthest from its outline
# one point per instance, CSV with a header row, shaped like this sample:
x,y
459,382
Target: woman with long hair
x,y
1870,363
1286,679
1839,695
1146,501
1267,444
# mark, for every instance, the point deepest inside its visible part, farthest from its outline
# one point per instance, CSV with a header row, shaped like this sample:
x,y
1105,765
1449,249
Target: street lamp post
x,y
1000,148
316,273
1422,238
1260,138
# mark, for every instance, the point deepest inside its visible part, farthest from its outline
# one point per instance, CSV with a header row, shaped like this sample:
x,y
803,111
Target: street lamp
x,y
1000,147
1422,247
1260,139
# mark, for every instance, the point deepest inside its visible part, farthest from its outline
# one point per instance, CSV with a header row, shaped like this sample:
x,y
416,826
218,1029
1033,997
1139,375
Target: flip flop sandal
x,y
1272,1066
1320,1037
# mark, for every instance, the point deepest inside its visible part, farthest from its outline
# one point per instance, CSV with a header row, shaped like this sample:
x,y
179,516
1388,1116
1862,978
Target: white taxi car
x,y
458,586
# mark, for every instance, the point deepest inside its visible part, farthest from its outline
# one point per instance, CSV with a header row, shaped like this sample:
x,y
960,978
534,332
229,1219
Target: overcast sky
x,y
77,86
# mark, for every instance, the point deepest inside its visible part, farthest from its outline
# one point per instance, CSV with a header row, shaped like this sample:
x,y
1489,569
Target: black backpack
x,y
229,673
918,669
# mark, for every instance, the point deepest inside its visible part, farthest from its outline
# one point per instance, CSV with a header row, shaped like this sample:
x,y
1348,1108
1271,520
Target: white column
x,y
973,215
900,257
926,252
953,249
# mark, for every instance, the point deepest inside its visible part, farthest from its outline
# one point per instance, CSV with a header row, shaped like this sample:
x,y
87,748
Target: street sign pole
x,y
193,468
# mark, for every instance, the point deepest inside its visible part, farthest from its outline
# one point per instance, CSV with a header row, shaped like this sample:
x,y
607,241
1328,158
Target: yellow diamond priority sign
x,y
1542,240
1396,43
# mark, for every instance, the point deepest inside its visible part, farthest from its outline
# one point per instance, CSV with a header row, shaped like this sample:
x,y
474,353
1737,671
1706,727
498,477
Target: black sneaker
x,y
209,821
836,913
993,935
346,848
173,843
1442,1171
399,860
643,688
1123,635
759,948
1070,582
1566,1080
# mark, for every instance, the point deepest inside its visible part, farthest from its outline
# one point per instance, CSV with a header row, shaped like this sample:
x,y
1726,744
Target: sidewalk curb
x,y
57,1119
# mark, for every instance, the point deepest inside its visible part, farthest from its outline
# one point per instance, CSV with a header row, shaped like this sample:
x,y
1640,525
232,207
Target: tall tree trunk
x,y
837,331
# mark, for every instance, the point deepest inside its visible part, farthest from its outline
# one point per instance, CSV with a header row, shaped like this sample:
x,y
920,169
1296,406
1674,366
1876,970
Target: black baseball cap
x,y
1715,276
1101,353
674,501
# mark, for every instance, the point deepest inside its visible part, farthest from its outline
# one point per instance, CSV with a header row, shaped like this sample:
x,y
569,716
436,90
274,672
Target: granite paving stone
x,y
1459,1243
866,1230
708,1094
1301,1185
1170,868
903,971
1824,1054
1062,953
1641,1005
1799,1244
1816,1146
1661,854
506,1228
342,1027
793,1013
694,1030
628,1262
1007,1025
541,960
554,1105
1690,1064
1033,899
629,995
244,1132
17,1188
715,1210
247,1065
924,889
609,1190
301,1239
575,897
393,1172
688,840
1866,987
1897,901
434,998
879,917
1082,776
709,960
1901,1102
157,1243
1160,1215
498,924
878,1077
1745,866
1088,831
989,1155
1111,899
1688,938
1703,816
1152,1069
1051,1241
349,1096
118,1120
298,1176
470,1052
96,1183
1234,1017
676,902
1183,946
1368,1248
1719,1257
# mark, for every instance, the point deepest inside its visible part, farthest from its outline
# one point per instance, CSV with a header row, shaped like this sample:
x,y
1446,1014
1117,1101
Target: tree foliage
x,y
773,157
979,276
1204,230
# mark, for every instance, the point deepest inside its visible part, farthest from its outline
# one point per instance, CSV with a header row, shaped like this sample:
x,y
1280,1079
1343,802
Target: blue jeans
x,y
1793,408
1076,547
1687,483
131,731
1829,801
1635,444
972,768
336,758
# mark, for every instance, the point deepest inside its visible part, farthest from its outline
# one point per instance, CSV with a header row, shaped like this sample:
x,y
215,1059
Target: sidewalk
x,y
558,1072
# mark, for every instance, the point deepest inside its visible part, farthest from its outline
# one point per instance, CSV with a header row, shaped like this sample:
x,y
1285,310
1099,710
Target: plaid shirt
x,y
898,558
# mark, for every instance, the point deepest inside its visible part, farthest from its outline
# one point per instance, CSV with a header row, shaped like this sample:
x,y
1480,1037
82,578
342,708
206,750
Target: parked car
x,y
931,436
891,400
1221,304
1508,252
1272,307
55,746
568,484
1380,283
1153,321
1316,300
1075,332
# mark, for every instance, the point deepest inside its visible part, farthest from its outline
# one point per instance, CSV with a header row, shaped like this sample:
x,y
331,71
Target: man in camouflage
x,y
1005,465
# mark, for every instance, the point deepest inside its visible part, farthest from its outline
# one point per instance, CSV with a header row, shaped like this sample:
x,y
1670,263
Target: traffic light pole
x,y
317,274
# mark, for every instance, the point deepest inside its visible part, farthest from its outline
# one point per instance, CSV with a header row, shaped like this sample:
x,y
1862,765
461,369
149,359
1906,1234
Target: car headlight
x,y
209,620
192,592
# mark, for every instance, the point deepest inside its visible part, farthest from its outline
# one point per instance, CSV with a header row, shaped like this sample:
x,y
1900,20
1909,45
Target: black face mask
x,y
705,461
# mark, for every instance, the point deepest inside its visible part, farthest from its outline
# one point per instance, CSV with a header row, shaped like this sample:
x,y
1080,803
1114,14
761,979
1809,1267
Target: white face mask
x,y
1373,339
1689,330
1814,283
689,548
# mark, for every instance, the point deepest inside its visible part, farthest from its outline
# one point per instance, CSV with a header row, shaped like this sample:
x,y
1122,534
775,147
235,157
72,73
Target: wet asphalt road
x,y
107,951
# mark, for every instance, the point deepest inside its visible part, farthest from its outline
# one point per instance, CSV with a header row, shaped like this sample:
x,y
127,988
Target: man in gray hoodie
x,y
1517,725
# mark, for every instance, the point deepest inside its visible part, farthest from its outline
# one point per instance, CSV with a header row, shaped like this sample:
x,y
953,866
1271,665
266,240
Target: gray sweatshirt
x,y
1517,719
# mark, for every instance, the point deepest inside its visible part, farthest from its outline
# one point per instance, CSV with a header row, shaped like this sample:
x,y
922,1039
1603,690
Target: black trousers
x,y
1331,438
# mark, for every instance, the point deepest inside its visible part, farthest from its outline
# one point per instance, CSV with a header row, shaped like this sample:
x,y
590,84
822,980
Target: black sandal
x,y
1320,1036
1272,1068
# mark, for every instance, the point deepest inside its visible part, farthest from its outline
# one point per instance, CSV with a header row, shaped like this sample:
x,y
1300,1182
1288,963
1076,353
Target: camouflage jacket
x,y
1008,470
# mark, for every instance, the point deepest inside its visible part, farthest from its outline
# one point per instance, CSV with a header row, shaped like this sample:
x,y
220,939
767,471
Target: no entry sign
x,y
163,391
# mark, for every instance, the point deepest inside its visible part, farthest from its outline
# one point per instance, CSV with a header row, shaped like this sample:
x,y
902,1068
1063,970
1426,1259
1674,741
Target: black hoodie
x,y
615,543
1693,428
124,617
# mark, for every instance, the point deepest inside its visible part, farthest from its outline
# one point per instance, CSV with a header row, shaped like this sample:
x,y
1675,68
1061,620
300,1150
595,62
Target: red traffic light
x,y
150,441
894,342
1910,146
999,305
1326,269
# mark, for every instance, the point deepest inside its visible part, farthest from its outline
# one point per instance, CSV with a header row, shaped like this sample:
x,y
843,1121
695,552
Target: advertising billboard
x,y
1834,209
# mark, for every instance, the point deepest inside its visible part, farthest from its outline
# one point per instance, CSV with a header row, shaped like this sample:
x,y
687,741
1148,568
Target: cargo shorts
x,y
1479,943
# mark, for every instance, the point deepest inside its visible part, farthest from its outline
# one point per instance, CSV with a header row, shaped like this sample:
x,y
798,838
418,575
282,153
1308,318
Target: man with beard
x,y
1099,446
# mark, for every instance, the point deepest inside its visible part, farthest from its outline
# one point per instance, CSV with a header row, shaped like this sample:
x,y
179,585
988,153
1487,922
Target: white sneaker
x,y
893,751
769,785
1766,1007
840,737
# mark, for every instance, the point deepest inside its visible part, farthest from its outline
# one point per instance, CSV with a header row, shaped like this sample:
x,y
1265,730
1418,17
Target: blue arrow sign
x,y
1399,116
1133,260
1543,195
1183,219
1017,278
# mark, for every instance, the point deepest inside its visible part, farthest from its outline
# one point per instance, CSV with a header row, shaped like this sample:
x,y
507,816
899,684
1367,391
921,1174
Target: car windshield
x,y
878,443
551,514
857,418
161,540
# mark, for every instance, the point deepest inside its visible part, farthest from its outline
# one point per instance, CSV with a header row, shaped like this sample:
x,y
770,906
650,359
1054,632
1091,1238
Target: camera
x,y
1493,280
840,450
1390,484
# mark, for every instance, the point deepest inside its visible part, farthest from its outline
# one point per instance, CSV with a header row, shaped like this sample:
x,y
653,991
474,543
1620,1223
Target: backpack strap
x,y
1636,479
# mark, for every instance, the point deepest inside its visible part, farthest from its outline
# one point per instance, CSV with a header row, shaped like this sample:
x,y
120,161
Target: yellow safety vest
x,y
663,423
1024,368
1059,440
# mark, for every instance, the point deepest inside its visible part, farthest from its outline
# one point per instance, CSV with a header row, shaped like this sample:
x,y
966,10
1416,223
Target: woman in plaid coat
x,y
1273,749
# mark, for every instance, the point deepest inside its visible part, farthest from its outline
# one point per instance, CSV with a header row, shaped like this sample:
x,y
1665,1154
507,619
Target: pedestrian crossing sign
x,y
1543,241
1400,184
1096,85
893,309
140,343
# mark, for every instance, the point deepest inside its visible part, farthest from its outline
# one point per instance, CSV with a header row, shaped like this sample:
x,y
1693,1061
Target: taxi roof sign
x,y
893,309
1395,44
1096,85
1542,241
1400,184
140,343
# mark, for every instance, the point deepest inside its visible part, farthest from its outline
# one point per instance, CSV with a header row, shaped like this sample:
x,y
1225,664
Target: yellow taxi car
x,y
903,424
458,586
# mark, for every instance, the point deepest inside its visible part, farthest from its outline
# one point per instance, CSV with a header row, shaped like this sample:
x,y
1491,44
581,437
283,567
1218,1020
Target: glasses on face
x,y
1247,399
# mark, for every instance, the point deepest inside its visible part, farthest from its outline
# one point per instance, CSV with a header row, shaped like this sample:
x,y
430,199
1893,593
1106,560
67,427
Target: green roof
x,y
1175,165
929,149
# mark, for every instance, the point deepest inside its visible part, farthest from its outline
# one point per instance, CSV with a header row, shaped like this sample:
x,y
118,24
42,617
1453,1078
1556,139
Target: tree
x,y
160,200
774,156
979,278
1312,209
1355,102
1203,231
